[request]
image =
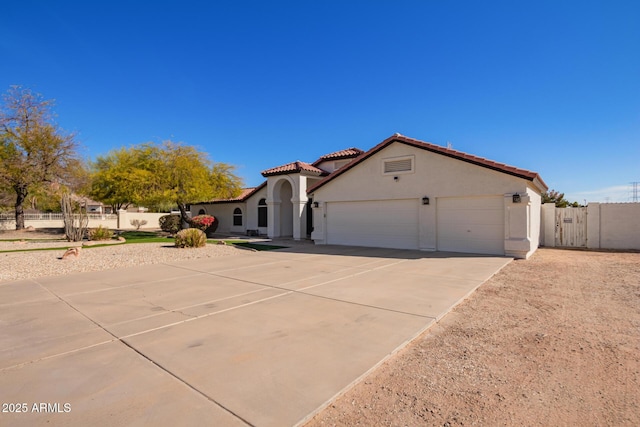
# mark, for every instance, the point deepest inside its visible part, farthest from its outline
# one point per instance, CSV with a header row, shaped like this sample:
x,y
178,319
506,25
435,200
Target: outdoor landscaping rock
x,y
25,265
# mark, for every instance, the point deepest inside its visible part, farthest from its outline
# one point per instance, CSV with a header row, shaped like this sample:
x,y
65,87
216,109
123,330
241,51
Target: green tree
x,y
122,177
167,174
557,198
225,182
34,152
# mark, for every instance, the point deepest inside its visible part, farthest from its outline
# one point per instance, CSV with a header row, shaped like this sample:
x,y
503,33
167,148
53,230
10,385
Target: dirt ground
x,y
554,340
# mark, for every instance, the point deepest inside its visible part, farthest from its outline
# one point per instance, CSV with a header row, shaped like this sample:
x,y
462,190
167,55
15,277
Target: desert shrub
x,y
191,238
100,233
170,223
137,223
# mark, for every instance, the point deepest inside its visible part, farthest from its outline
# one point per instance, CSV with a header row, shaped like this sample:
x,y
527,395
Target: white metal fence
x,y
10,216
123,220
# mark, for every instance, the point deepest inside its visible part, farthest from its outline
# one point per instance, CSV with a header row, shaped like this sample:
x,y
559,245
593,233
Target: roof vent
x,y
403,165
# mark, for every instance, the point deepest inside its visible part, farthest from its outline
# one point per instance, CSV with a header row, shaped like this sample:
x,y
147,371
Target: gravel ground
x,y
25,265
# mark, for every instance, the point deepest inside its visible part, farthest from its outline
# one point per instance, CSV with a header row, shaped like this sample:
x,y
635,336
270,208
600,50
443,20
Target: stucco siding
x,y
438,177
224,213
434,176
619,225
252,211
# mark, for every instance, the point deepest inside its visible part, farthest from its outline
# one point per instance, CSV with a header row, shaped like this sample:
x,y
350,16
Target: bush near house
x,y
100,233
206,223
191,238
170,223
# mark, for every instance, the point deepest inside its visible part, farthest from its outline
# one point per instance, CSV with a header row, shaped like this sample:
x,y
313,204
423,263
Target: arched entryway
x,y
284,192
286,206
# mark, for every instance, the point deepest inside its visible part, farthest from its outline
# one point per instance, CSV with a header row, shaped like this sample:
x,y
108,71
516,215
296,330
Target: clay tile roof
x,y
295,167
449,152
243,196
349,153
245,192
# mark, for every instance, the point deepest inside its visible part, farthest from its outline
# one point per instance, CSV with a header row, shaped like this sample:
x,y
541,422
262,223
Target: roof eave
x,y
478,161
239,200
330,158
295,171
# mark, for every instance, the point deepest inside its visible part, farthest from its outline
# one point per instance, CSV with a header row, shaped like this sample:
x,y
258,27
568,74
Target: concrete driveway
x,y
259,338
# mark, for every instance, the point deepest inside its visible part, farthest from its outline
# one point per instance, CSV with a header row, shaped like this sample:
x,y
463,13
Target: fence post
x,y
122,218
549,224
593,225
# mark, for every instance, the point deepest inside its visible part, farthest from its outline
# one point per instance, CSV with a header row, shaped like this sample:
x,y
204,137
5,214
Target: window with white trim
x,y
237,216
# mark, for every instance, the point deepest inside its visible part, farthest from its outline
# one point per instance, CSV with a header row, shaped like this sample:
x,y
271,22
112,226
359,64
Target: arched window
x,y
237,216
262,213
202,212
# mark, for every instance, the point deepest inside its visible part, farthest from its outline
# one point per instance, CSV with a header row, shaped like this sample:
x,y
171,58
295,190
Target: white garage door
x,y
383,224
471,224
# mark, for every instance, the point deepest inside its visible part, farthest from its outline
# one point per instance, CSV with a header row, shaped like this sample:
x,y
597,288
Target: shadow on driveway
x,y
260,338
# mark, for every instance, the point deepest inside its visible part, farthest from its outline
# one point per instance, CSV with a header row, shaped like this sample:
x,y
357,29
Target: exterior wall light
x,y
516,198
395,178
316,204
425,200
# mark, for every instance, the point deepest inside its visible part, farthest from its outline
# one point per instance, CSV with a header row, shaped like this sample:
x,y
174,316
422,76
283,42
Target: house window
x,y
237,216
202,212
262,213
398,165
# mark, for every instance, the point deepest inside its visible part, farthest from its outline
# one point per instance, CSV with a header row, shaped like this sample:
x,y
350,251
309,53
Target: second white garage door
x,y
471,224
383,224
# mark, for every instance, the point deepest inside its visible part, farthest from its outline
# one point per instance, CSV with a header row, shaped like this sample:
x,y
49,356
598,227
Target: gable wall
x,y
436,176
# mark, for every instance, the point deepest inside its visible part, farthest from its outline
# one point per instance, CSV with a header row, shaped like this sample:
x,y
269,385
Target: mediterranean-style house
x,y
402,193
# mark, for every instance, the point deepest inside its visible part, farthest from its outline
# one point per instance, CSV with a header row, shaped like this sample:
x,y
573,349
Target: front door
x,y
309,208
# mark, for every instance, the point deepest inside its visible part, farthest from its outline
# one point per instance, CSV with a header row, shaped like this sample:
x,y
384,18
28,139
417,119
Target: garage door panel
x,y
464,232
480,217
386,223
471,224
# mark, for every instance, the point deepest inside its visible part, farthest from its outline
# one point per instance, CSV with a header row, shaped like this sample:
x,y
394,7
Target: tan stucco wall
x,y
224,213
620,226
435,176
252,211
609,225
152,218
613,225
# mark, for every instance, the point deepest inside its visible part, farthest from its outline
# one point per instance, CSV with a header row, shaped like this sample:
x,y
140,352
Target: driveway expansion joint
x,y
144,356
288,291
249,362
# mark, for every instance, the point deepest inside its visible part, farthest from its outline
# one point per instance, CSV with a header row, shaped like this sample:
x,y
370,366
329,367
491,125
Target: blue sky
x,y
550,86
